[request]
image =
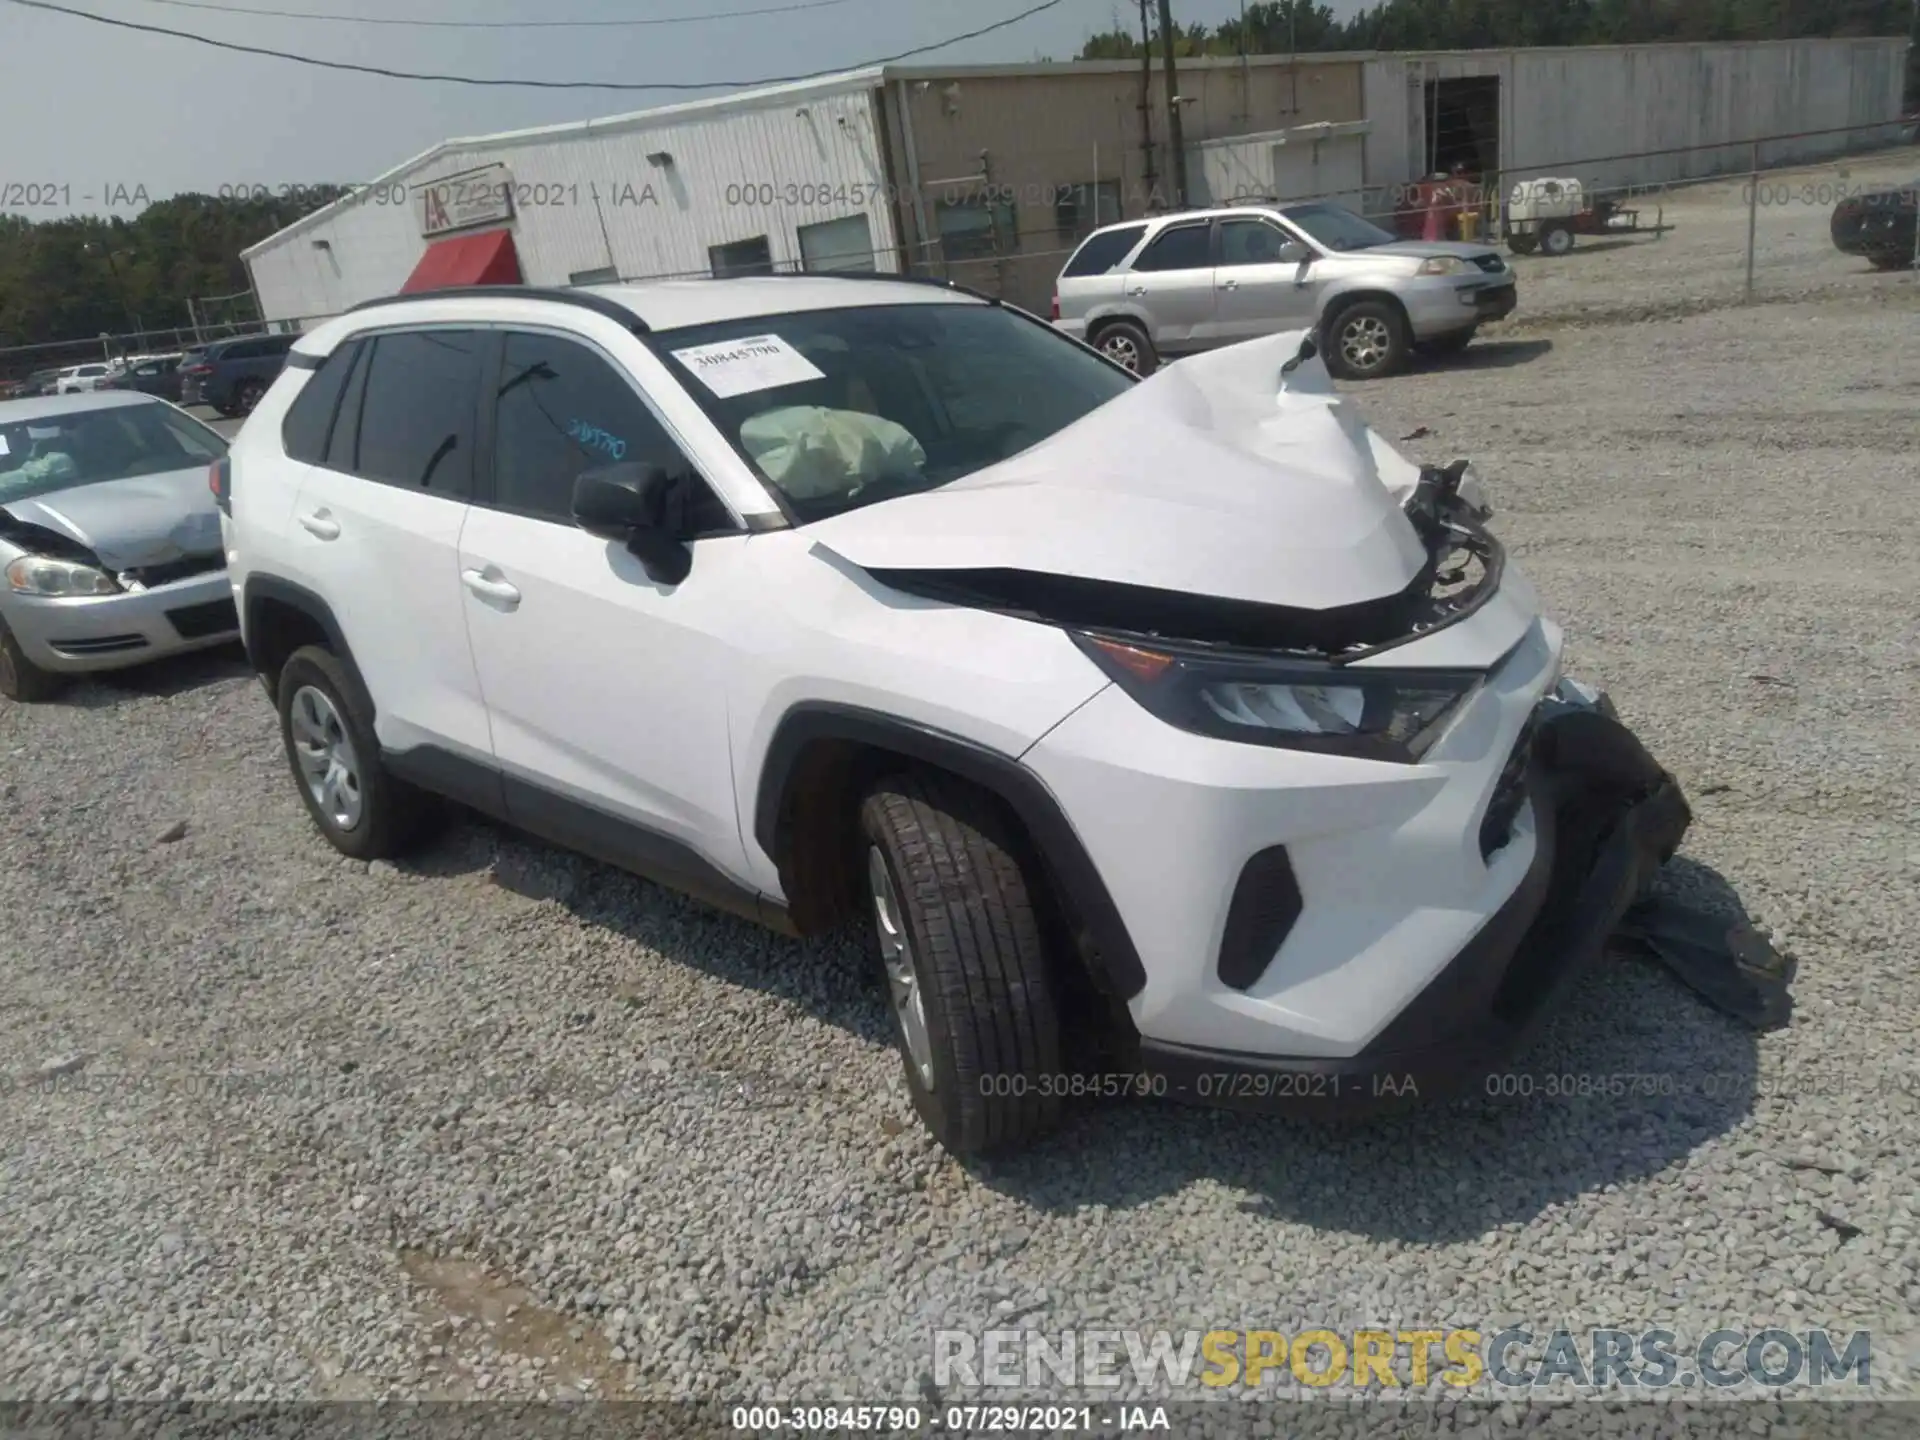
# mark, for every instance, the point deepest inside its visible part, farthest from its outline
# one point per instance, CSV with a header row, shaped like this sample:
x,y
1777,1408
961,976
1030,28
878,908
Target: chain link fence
x,y
1639,233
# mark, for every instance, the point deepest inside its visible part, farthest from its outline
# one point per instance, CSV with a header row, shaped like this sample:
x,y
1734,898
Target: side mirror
x,y
643,507
1292,252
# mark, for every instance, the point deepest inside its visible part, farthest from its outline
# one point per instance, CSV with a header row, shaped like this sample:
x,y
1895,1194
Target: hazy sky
x,y
102,112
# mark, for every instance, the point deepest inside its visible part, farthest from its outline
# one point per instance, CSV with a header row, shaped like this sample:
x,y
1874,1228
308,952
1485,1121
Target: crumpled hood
x,y
148,520
1214,476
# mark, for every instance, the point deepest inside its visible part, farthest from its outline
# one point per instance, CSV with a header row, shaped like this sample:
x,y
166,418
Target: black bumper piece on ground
x,y
1606,817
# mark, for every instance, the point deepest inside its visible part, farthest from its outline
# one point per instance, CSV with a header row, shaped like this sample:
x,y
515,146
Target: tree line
x,y
79,276
1279,27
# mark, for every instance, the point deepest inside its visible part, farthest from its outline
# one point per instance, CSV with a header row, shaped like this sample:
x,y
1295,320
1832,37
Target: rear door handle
x,y
1136,289
1229,284
488,588
321,525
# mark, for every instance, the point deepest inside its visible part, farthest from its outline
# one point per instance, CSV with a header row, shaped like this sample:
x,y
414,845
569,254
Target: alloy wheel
x,y
1365,343
903,983
1122,351
326,756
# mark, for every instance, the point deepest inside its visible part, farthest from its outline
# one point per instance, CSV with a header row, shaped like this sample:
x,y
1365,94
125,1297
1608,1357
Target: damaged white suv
x,y
1170,736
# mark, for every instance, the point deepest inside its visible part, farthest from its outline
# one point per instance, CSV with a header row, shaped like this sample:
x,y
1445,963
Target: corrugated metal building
x,y
1523,113
992,173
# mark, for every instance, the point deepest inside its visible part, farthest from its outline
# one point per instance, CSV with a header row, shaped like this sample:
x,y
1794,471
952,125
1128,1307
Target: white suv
x,y
1173,736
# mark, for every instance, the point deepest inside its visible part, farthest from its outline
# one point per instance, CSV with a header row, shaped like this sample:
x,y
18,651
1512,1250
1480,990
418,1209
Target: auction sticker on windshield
x,y
740,367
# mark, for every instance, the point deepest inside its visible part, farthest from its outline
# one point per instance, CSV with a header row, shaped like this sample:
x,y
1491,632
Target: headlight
x,y
1370,714
1442,265
42,575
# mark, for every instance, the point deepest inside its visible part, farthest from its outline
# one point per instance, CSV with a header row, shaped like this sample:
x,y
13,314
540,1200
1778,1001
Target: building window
x,y
845,244
741,257
605,275
973,229
1079,210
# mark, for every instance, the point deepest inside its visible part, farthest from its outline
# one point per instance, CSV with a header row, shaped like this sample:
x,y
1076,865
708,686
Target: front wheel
x,y
20,679
1556,239
1367,340
961,950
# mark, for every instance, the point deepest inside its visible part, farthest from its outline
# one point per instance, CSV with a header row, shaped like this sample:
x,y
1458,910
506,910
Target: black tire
x,y
1556,239
1523,244
22,680
1125,343
392,815
973,939
1366,340
1887,260
1451,343
246,395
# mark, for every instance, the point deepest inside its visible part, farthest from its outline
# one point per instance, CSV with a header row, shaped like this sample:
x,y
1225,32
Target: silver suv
x,y
1147,290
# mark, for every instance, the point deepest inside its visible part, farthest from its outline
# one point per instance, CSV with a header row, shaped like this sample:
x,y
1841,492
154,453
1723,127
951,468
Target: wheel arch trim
x,y
1115,961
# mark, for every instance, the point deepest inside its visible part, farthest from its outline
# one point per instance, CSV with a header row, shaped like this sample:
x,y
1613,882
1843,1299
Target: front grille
x,y
98,645
1509,793
214,617
1265,905
184,568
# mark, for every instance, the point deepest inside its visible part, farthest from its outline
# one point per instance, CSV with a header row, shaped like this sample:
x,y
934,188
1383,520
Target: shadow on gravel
x,y
1489,355
830,976
158,679
1633,1073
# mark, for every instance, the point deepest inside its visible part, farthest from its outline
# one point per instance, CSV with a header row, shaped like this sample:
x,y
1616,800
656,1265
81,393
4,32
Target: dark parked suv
x,y
232,375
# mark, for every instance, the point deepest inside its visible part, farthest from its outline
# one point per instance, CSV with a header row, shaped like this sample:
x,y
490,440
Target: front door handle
x,y
1229,284
1136,289
488,588
321,525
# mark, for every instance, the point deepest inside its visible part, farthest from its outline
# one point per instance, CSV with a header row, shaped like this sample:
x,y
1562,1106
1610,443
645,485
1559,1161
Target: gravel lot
x,y
521,1125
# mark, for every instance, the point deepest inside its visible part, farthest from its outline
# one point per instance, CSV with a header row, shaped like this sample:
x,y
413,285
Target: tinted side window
x,y
242,350
417,410
1250,242
303,434
1105,250
562,409
1184,247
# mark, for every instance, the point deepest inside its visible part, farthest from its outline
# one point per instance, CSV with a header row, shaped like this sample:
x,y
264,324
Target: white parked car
x,y
1173,736
75,379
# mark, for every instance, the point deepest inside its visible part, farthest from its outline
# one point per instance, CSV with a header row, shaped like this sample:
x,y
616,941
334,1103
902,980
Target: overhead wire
x,y
390,74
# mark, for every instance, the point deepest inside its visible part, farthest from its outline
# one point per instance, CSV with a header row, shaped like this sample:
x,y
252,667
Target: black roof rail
x,y
933,280
599,304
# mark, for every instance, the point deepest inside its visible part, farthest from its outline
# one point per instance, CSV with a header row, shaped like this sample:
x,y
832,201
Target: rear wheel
x,y
1556,239
20,678
1125,343
960,946
326,725
1368,339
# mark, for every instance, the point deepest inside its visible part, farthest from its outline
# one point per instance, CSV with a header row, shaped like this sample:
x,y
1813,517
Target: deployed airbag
x,y
810,451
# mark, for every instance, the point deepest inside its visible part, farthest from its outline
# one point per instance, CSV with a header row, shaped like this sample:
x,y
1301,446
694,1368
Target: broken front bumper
x,y
1606,816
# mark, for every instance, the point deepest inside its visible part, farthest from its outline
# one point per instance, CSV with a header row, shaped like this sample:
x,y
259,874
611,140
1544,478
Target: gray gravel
x,y
519,1125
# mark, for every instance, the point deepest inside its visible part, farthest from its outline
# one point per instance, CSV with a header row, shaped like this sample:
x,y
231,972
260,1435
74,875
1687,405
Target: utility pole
x,y
1146,99
1175,142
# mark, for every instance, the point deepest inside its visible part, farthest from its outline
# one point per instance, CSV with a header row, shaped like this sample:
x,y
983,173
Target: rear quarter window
x,y
303,434
1102,253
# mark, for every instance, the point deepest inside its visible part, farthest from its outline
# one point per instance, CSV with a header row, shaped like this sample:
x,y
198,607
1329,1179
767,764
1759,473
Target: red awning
x,y
487,258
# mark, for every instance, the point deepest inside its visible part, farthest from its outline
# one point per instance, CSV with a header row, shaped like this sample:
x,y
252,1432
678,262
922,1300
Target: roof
x,y
40,407
659,305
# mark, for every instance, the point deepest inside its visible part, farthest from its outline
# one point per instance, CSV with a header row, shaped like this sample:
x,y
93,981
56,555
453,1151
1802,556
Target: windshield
x,y
1337,228
840,408
85,447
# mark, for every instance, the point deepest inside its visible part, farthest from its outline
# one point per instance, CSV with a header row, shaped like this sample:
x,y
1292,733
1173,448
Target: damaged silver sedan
x,y
109,538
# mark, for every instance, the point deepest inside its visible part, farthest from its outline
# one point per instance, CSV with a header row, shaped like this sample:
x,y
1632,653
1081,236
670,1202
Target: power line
x,y
494,24
534,84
